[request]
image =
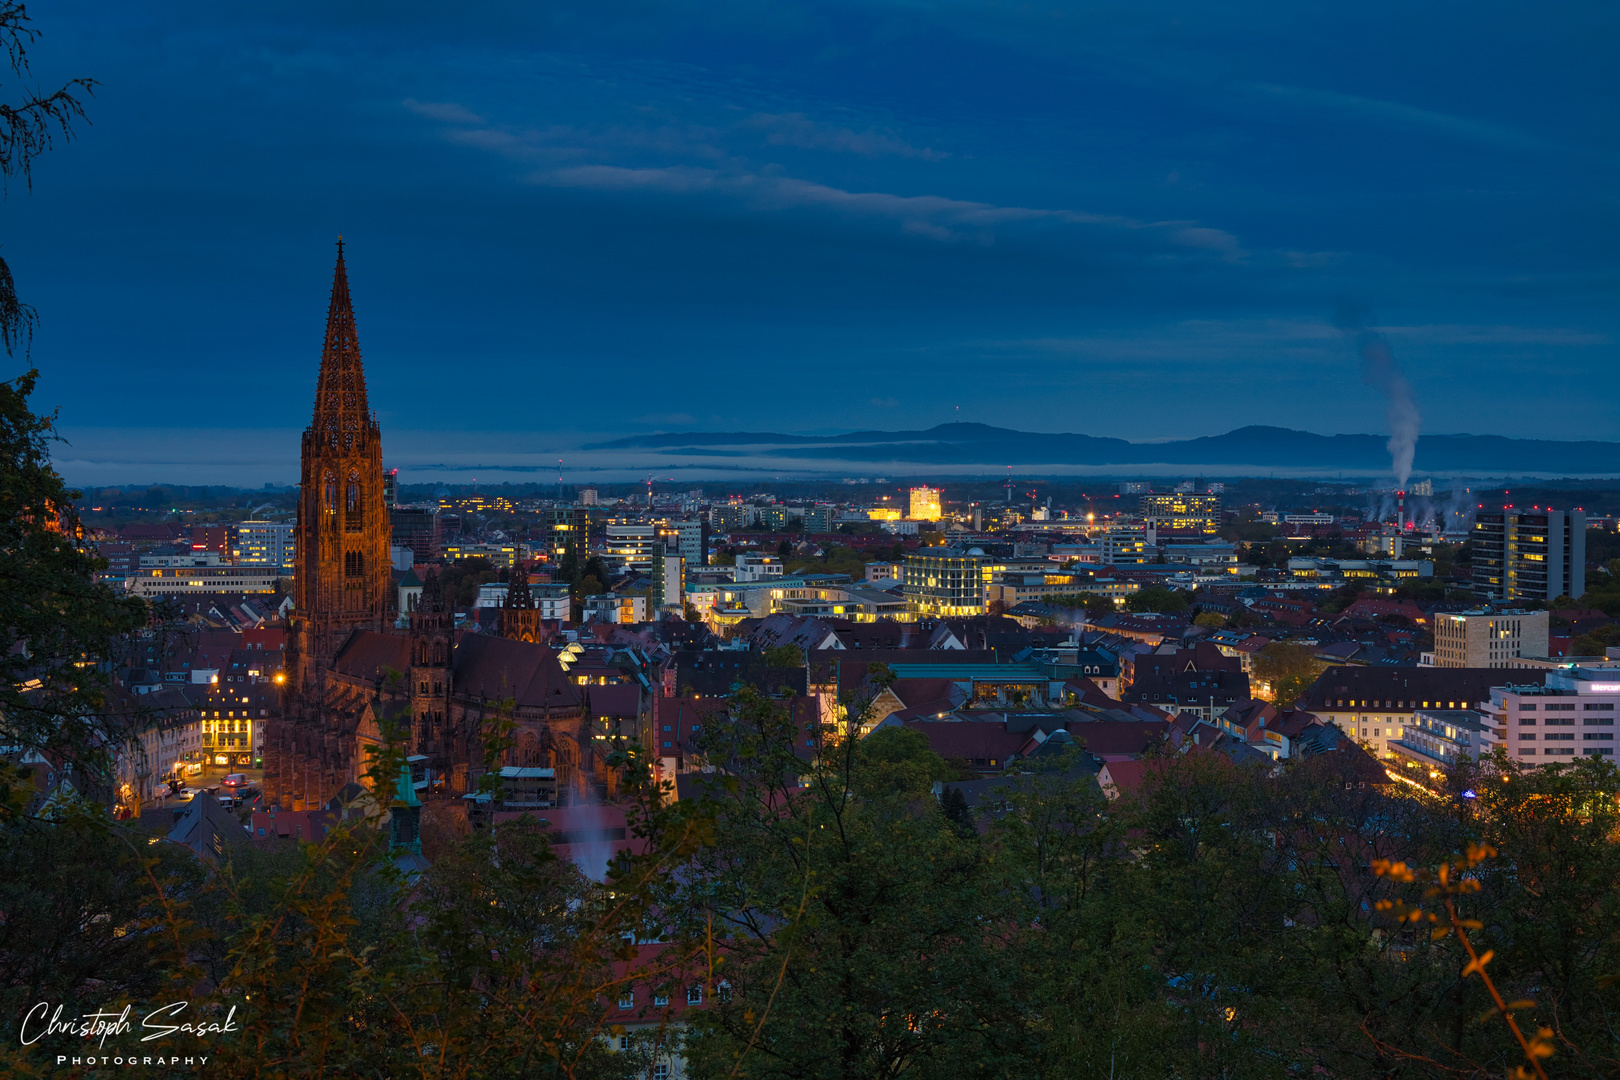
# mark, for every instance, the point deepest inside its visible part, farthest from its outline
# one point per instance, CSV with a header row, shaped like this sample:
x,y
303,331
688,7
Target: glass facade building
x,y
944,581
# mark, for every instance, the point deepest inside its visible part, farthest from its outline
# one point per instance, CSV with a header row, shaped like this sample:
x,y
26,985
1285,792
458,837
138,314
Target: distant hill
x,y
1253,447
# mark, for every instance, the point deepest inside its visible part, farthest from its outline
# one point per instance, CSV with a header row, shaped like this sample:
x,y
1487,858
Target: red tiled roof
x,y
970,739
1110,740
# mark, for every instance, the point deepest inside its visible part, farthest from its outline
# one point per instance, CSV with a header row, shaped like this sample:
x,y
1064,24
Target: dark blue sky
x,y
1129,219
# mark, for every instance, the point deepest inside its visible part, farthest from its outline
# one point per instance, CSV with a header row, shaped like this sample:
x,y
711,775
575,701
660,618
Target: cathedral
x,y
354,668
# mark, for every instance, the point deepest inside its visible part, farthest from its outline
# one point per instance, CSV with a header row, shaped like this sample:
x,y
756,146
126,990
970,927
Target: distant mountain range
x,y
1248,447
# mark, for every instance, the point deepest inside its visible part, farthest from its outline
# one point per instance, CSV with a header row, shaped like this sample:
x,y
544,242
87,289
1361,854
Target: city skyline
x,y
1143,224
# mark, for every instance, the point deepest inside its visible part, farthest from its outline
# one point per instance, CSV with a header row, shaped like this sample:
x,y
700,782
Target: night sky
x,y
1126,219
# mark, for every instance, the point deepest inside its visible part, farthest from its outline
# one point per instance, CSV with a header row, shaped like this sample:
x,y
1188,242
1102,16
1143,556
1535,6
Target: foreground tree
x,y
857,933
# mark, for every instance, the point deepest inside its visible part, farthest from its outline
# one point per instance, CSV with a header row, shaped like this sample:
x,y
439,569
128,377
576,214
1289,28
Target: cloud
x,y
1393,113
1311,260
936,217
796,129
1454,334
447,112
885,402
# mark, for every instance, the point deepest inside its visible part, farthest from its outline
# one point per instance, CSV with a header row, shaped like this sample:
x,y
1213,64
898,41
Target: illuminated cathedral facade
x,y
355,669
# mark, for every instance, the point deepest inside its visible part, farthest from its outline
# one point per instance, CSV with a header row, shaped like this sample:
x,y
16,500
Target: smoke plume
x,y
1380,371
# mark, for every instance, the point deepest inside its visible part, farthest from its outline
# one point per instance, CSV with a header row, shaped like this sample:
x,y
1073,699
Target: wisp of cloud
x,y
1380,370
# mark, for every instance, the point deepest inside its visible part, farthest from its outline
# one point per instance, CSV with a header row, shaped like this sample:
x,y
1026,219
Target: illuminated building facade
x,y
924,504
342,578
1496,639
943,581
1183,511
352,672
631,547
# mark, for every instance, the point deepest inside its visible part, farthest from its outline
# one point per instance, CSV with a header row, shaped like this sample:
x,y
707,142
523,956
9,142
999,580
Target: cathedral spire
x,y
342,413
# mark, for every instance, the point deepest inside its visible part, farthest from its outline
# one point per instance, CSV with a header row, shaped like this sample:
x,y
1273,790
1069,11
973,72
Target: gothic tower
x,y
432,641
519,619
341,580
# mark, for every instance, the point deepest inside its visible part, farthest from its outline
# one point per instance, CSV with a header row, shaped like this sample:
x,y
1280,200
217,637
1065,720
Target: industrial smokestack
x,y
1380,370
1400,510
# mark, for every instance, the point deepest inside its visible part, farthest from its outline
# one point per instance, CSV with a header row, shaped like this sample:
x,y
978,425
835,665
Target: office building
x,y
1183,511
212,538
1125,547
1522,555
630,548
502,555
945,581
924,504
1489,639
418,529
171,580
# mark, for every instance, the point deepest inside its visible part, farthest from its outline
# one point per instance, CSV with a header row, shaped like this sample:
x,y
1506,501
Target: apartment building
x,y
1529,554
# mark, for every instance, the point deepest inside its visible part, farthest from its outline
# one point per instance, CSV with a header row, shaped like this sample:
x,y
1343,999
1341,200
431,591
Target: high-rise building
x,y
1523,555
924,504
686,537
631,547
266,543
730,518
567,532
818,519
391,488
1489,639
669,579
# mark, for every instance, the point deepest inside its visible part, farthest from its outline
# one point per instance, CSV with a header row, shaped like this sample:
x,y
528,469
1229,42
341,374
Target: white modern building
x,y
266,543
1571,715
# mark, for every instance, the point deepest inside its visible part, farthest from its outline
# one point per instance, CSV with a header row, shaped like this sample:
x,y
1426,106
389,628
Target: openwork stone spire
x,y
517,593
342,412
